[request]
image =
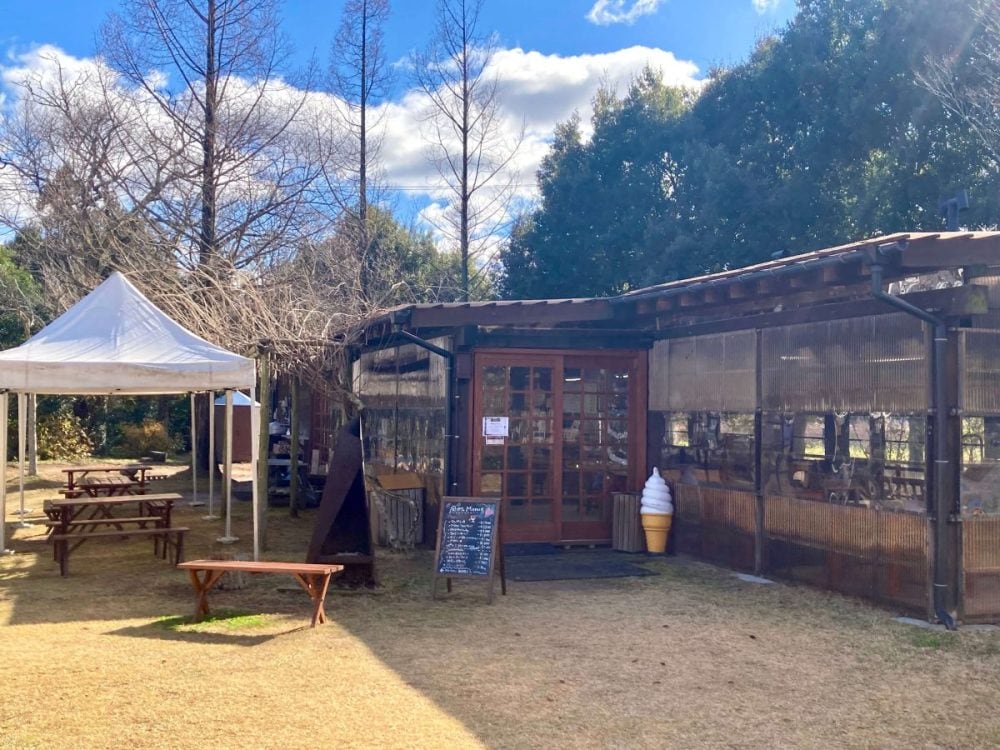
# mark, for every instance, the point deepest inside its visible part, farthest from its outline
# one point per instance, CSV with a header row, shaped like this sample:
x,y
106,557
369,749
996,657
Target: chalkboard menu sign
x,y
468,541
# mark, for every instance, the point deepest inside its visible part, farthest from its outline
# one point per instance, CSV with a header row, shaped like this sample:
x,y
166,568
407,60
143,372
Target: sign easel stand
x,y
464,524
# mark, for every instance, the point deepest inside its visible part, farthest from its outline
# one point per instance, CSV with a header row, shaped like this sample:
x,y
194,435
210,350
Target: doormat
x,y
572,565
518,549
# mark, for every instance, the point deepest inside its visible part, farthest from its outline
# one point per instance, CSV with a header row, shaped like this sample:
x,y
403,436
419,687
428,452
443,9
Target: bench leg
x,y
62,554
316,586
178,546
201,588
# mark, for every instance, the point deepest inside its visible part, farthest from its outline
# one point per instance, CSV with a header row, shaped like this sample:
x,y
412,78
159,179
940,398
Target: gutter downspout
x,y
450,432
940,426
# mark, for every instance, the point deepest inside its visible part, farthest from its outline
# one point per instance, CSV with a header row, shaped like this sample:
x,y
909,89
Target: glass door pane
x,y
519,466
595,446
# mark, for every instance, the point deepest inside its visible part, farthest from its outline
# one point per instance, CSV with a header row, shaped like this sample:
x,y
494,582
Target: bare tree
x,y
72,159
253,157
470,146
95,177
967,82
214,69
361,79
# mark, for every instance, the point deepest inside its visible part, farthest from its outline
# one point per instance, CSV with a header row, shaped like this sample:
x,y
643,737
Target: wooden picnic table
x,y
101,510
314,578
74,520
105,479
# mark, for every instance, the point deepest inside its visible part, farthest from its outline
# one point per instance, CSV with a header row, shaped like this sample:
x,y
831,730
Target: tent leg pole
x,y
254,458
212,516
4,411
22,413
228,537
195,500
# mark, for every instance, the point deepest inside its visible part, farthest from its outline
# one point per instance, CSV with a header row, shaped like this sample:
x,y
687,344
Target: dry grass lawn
x,y
691,658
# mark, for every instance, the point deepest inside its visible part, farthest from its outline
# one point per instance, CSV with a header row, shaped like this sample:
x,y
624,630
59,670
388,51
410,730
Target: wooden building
x,y
832,417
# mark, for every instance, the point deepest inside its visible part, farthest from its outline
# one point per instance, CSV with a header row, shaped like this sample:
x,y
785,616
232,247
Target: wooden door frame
x,y
638,408
528,358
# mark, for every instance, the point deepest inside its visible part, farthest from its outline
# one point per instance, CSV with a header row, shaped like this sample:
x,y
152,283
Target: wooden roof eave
x,y
953,250
541,313
952,302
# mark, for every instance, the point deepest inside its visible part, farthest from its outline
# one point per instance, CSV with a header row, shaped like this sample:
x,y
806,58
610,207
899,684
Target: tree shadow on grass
x,y
36,483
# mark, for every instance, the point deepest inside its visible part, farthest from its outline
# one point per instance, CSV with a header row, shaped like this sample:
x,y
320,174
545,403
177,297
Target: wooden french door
x,y
575,434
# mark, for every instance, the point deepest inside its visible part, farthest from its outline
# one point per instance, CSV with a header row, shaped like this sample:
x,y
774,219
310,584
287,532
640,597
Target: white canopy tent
x,y
116,342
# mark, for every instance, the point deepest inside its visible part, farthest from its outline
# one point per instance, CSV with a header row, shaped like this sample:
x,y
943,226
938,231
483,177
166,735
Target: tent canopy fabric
x,y
115,341
239,399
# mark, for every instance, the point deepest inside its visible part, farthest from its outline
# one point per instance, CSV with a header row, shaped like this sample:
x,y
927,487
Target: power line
x,y
430,188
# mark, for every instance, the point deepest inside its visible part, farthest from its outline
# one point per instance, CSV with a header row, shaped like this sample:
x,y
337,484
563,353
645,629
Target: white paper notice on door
x,y
495,440
496,426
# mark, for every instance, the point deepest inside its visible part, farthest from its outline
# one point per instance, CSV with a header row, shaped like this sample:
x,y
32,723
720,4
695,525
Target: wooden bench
x,y
91,524
170,537
315,579
80,527
109,488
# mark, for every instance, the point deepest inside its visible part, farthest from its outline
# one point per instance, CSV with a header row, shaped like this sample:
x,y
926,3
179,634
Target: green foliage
x,y
599,199
20,295
140,439
932,641
224,619
61,436
822,136
111,425
408,267
401,266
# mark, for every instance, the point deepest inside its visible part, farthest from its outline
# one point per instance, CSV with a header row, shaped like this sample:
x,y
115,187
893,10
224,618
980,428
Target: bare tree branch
x,y
470,149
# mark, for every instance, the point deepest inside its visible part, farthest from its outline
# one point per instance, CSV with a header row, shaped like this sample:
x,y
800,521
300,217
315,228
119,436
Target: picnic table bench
x,y
315,579
171,538
73,521
63,510
105,479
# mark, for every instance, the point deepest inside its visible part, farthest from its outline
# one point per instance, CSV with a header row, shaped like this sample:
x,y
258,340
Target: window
x,y
720,444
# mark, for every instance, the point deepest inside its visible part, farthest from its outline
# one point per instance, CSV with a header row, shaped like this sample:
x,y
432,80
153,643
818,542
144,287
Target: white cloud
x,y
607,12
765,6
536,91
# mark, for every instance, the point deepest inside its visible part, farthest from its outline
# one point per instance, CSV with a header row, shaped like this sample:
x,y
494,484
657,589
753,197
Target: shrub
x,y
61,437
140,439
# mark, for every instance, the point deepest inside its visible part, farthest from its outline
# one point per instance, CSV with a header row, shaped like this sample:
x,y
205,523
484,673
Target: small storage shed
x,y
242,431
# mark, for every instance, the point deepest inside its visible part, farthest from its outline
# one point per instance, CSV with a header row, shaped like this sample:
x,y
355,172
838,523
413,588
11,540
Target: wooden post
x,y
264,452
293,451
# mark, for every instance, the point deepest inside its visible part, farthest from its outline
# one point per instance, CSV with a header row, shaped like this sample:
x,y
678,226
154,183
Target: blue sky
x,y
553,55
707,32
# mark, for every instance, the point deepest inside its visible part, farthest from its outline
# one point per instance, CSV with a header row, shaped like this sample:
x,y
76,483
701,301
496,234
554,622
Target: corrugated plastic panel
x,y
659,385
872,363
716,524
981,372
404,420
855,550
981,568
992,284
704,373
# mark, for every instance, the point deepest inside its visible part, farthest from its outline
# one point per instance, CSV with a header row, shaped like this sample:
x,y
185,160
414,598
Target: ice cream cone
x,y
656,526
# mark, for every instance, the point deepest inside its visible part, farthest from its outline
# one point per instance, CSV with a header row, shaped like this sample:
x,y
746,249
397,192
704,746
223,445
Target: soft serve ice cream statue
x,y
656,495
657,512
